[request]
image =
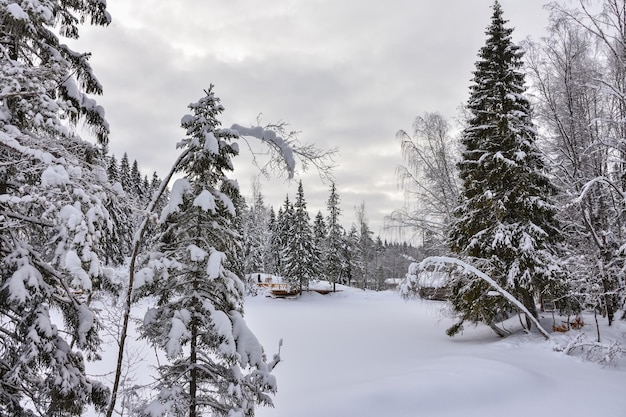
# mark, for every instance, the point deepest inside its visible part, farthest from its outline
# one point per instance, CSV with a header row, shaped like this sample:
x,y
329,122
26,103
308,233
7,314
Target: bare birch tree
x,y
428,178
579,74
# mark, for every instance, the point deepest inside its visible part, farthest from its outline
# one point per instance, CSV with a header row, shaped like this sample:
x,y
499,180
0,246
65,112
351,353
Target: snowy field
x,y
370,354
367,354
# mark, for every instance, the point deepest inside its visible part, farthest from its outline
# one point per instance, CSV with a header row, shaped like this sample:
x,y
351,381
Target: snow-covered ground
x,y
358,353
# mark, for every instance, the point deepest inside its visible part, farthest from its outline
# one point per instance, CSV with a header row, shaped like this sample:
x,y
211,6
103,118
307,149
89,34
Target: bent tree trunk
x,y
131,281
439,260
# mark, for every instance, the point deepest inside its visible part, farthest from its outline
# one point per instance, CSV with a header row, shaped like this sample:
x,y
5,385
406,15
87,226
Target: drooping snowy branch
x,y
601,180
285,151
439,261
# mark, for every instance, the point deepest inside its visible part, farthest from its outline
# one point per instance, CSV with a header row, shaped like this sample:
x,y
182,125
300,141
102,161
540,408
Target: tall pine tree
x,y
335,261
280,235
256,234
136,187
125,174
506,224
320,235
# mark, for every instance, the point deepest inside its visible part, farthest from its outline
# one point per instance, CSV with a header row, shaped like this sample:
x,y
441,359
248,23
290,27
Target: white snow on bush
x,y
196,254
74,265
249,349
179,189
211,144
17,12
54,175
205,201
142,277
25,275
214,266
71,216
178,331
228,204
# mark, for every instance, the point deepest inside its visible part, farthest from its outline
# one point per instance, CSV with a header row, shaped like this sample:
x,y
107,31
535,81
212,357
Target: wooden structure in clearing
x,y
432,285
280,290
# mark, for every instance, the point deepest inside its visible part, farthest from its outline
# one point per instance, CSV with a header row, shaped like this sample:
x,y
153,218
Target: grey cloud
x,y
346,74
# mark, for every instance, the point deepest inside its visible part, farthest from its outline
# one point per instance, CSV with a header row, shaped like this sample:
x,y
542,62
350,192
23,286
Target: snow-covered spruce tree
x,y
113,170
124,173
334,261
299,254
216,365
505,223
281,233
256,234
351,255
53,220
379,271
320,240
136,188
364,257
270,256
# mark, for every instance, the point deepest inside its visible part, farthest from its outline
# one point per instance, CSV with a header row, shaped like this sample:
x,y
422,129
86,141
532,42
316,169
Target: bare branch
x,y
284,150
28,219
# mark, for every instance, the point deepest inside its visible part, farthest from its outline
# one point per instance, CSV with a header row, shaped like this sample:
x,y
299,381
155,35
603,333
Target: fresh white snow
x,y
205,201
367,354
360,353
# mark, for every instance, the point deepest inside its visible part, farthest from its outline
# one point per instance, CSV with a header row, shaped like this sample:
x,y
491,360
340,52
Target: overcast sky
x,y
347,74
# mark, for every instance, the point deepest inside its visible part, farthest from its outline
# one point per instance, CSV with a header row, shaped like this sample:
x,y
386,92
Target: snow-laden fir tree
x,y
506,223
271,257
136,187
352,254
256,233
363,257
320,240
280,236
53,192
215,364
299,254
113,170
124,173
334,259
379,270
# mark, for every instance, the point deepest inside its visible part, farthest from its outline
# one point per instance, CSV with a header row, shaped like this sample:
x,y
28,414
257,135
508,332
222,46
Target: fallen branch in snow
x,y
439,260
602,353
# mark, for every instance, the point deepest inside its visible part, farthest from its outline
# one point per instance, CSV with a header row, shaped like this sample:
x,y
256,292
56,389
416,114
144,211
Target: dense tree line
x,y
303,249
